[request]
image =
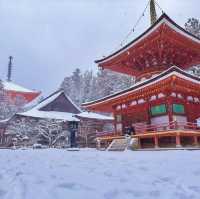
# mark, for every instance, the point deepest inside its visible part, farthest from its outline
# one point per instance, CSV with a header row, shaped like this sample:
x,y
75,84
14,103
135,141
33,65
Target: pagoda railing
x,y
163,127
166,127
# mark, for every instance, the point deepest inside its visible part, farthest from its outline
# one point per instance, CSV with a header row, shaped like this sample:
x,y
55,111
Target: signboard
x,y
178,108
158,110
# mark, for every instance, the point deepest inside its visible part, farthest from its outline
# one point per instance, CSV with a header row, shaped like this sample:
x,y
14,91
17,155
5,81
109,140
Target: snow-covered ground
x,y
90,174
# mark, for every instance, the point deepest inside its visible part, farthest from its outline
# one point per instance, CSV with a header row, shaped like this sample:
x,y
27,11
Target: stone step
x,y
118,145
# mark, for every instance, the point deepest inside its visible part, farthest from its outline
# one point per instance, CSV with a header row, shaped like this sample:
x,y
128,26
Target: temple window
x,y
196,99
180,96
178,108
190,98
124,106
160,95
133,103
173,94
158,110
118,107
153,98
140,101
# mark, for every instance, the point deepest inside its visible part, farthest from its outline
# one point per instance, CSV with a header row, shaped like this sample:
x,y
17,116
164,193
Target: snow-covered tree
x,y
49,131
82,87
193,26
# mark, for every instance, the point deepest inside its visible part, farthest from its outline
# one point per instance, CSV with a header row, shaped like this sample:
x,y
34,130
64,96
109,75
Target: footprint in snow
x,y
74,186
2,193
111,194
196,173
67,185
154,193
195,188
64,165
143,168
19,173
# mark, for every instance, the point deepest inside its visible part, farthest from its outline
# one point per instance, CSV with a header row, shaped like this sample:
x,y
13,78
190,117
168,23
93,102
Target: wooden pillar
x,y
156,141
196,140
139,143
170,111
98,144
178,140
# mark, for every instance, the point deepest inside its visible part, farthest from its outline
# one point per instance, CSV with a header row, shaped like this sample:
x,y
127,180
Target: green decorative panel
x,y
178,108
158,110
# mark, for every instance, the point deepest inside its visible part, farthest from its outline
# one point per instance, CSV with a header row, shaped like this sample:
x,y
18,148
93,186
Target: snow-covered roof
x,y
91,115
10,86
32,103
51,98
38,113
49,115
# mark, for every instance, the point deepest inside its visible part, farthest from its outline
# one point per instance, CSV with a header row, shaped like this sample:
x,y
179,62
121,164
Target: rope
x,y
136,24
159,6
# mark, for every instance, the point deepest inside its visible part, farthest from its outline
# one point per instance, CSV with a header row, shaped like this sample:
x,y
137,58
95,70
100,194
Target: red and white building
x,y
164,105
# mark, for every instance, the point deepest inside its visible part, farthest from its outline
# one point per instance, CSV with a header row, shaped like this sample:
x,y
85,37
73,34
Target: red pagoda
x,y
15,91
162,108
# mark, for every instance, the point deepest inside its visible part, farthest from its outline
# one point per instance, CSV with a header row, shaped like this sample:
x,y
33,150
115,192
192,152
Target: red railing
x,y
142,129
167,127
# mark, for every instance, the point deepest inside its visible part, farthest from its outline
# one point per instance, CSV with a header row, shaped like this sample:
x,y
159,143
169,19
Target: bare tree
x,y
49,131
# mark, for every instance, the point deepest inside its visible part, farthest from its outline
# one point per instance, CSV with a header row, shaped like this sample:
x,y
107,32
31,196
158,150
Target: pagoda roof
x,y
107,102
161,46
10,86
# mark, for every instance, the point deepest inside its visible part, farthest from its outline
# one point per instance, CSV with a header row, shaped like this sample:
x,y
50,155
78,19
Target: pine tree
x,y
193,26
87,86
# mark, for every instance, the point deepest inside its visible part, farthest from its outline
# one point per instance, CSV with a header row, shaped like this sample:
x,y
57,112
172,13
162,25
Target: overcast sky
x,y
50,38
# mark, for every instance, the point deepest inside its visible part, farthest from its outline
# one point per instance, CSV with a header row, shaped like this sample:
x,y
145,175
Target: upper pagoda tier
x,y
161,46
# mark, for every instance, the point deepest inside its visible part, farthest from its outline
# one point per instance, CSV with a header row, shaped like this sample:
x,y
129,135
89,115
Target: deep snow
x,y
91,174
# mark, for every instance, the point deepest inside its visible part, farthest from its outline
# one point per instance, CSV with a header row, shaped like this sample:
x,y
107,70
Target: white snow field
x,y
91,174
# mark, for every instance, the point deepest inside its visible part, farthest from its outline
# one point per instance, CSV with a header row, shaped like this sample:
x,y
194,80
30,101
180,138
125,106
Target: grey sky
x,y
50,38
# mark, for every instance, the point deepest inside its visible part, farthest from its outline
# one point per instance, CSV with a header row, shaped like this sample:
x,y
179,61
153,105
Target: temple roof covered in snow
x,y
59,106
9,85
96,116
15,90
56,106
161,46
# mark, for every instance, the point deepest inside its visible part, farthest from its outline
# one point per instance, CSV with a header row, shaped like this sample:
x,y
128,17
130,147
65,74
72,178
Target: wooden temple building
x,y
162,108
